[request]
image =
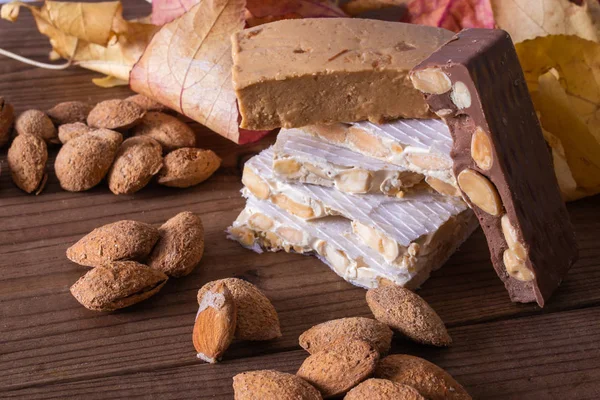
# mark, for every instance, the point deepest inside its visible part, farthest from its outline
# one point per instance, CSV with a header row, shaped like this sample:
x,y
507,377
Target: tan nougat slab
x,y
399,229
262,225
418,145
299,72
301,157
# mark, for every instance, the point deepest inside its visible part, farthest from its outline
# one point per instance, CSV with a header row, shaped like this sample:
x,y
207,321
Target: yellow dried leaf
x,y
94,35
187,65
527,19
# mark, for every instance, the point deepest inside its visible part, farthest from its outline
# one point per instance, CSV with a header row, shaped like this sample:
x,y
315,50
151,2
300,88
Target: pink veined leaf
x,y
187,66
453,15
164,11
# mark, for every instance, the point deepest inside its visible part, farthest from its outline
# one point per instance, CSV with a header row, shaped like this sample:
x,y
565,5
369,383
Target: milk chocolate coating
x,y
486,62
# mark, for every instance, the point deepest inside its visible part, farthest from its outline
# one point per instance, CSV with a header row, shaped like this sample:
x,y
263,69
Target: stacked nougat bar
x,y
371,220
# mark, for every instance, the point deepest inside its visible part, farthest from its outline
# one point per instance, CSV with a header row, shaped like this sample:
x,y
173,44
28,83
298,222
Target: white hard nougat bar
x,y
418,145
301,157
262,225
299,72
397,228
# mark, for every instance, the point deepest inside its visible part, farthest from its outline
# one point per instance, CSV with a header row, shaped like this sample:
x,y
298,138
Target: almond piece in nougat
x,y
294,73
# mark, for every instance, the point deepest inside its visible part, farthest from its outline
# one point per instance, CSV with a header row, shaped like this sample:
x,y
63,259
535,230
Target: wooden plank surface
x,y
52,347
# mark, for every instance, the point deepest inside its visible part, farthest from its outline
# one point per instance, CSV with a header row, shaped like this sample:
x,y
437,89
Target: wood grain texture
x,y
52,347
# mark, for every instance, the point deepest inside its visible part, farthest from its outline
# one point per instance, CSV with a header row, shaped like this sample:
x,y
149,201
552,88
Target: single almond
x,y
428,379
215,323
339,368
136,162
117,285
67,132
36,123
320,337
147,104
256,316
188,167
69,112
170,132
272,385
382,389
407,313
27,158
7,119
121,240
115,114
180,245
84,161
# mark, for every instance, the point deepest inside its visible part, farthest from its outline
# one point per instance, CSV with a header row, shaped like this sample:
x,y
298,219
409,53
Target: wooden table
x,y
52,347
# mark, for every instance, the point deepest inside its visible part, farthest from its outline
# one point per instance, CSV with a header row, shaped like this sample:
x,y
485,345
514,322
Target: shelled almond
x,y
37,123
7,119
27,158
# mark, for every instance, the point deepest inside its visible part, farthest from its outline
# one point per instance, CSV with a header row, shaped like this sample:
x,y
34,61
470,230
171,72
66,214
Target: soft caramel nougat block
x,y
299,72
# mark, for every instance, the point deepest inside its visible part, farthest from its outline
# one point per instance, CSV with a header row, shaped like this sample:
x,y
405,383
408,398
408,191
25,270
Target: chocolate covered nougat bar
x,y
402,230
262,225
502,163
299,72
418,145
300,157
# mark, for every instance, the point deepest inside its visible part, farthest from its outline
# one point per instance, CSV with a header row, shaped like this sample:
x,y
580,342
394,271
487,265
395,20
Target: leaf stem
x,y
39,64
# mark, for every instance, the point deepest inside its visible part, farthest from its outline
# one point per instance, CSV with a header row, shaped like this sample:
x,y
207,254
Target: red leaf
x,y
164,11
453,15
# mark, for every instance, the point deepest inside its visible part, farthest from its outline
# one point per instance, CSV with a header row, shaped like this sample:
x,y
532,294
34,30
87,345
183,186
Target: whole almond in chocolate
x,y
180,246
187,167
67,132
69,112
117,285
27,158
501,160
7,119
115,114
121,240
167,130
136,162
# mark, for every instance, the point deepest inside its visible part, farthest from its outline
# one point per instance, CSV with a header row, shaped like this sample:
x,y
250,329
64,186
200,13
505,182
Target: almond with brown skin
x,y
115,114
121,240
407,313
338,369
27,158
382,389
67,132
272,385
147,104
188,167
69,112
256,316
170,132
7,119
36,123
320,337
428,379
117,285
84,161
180,246
215,323
137,161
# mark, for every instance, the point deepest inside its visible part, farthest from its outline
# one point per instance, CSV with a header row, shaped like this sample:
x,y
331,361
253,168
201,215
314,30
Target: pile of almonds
x,y
93,147
348,357
131,260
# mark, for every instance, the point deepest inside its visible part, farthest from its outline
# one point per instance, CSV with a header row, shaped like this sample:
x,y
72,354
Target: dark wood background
x,y
52,347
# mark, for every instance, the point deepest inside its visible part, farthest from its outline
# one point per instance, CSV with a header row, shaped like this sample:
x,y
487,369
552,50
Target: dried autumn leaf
x,y
94,35
453,15
526,19
164,11
263,11
192,73
568,98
